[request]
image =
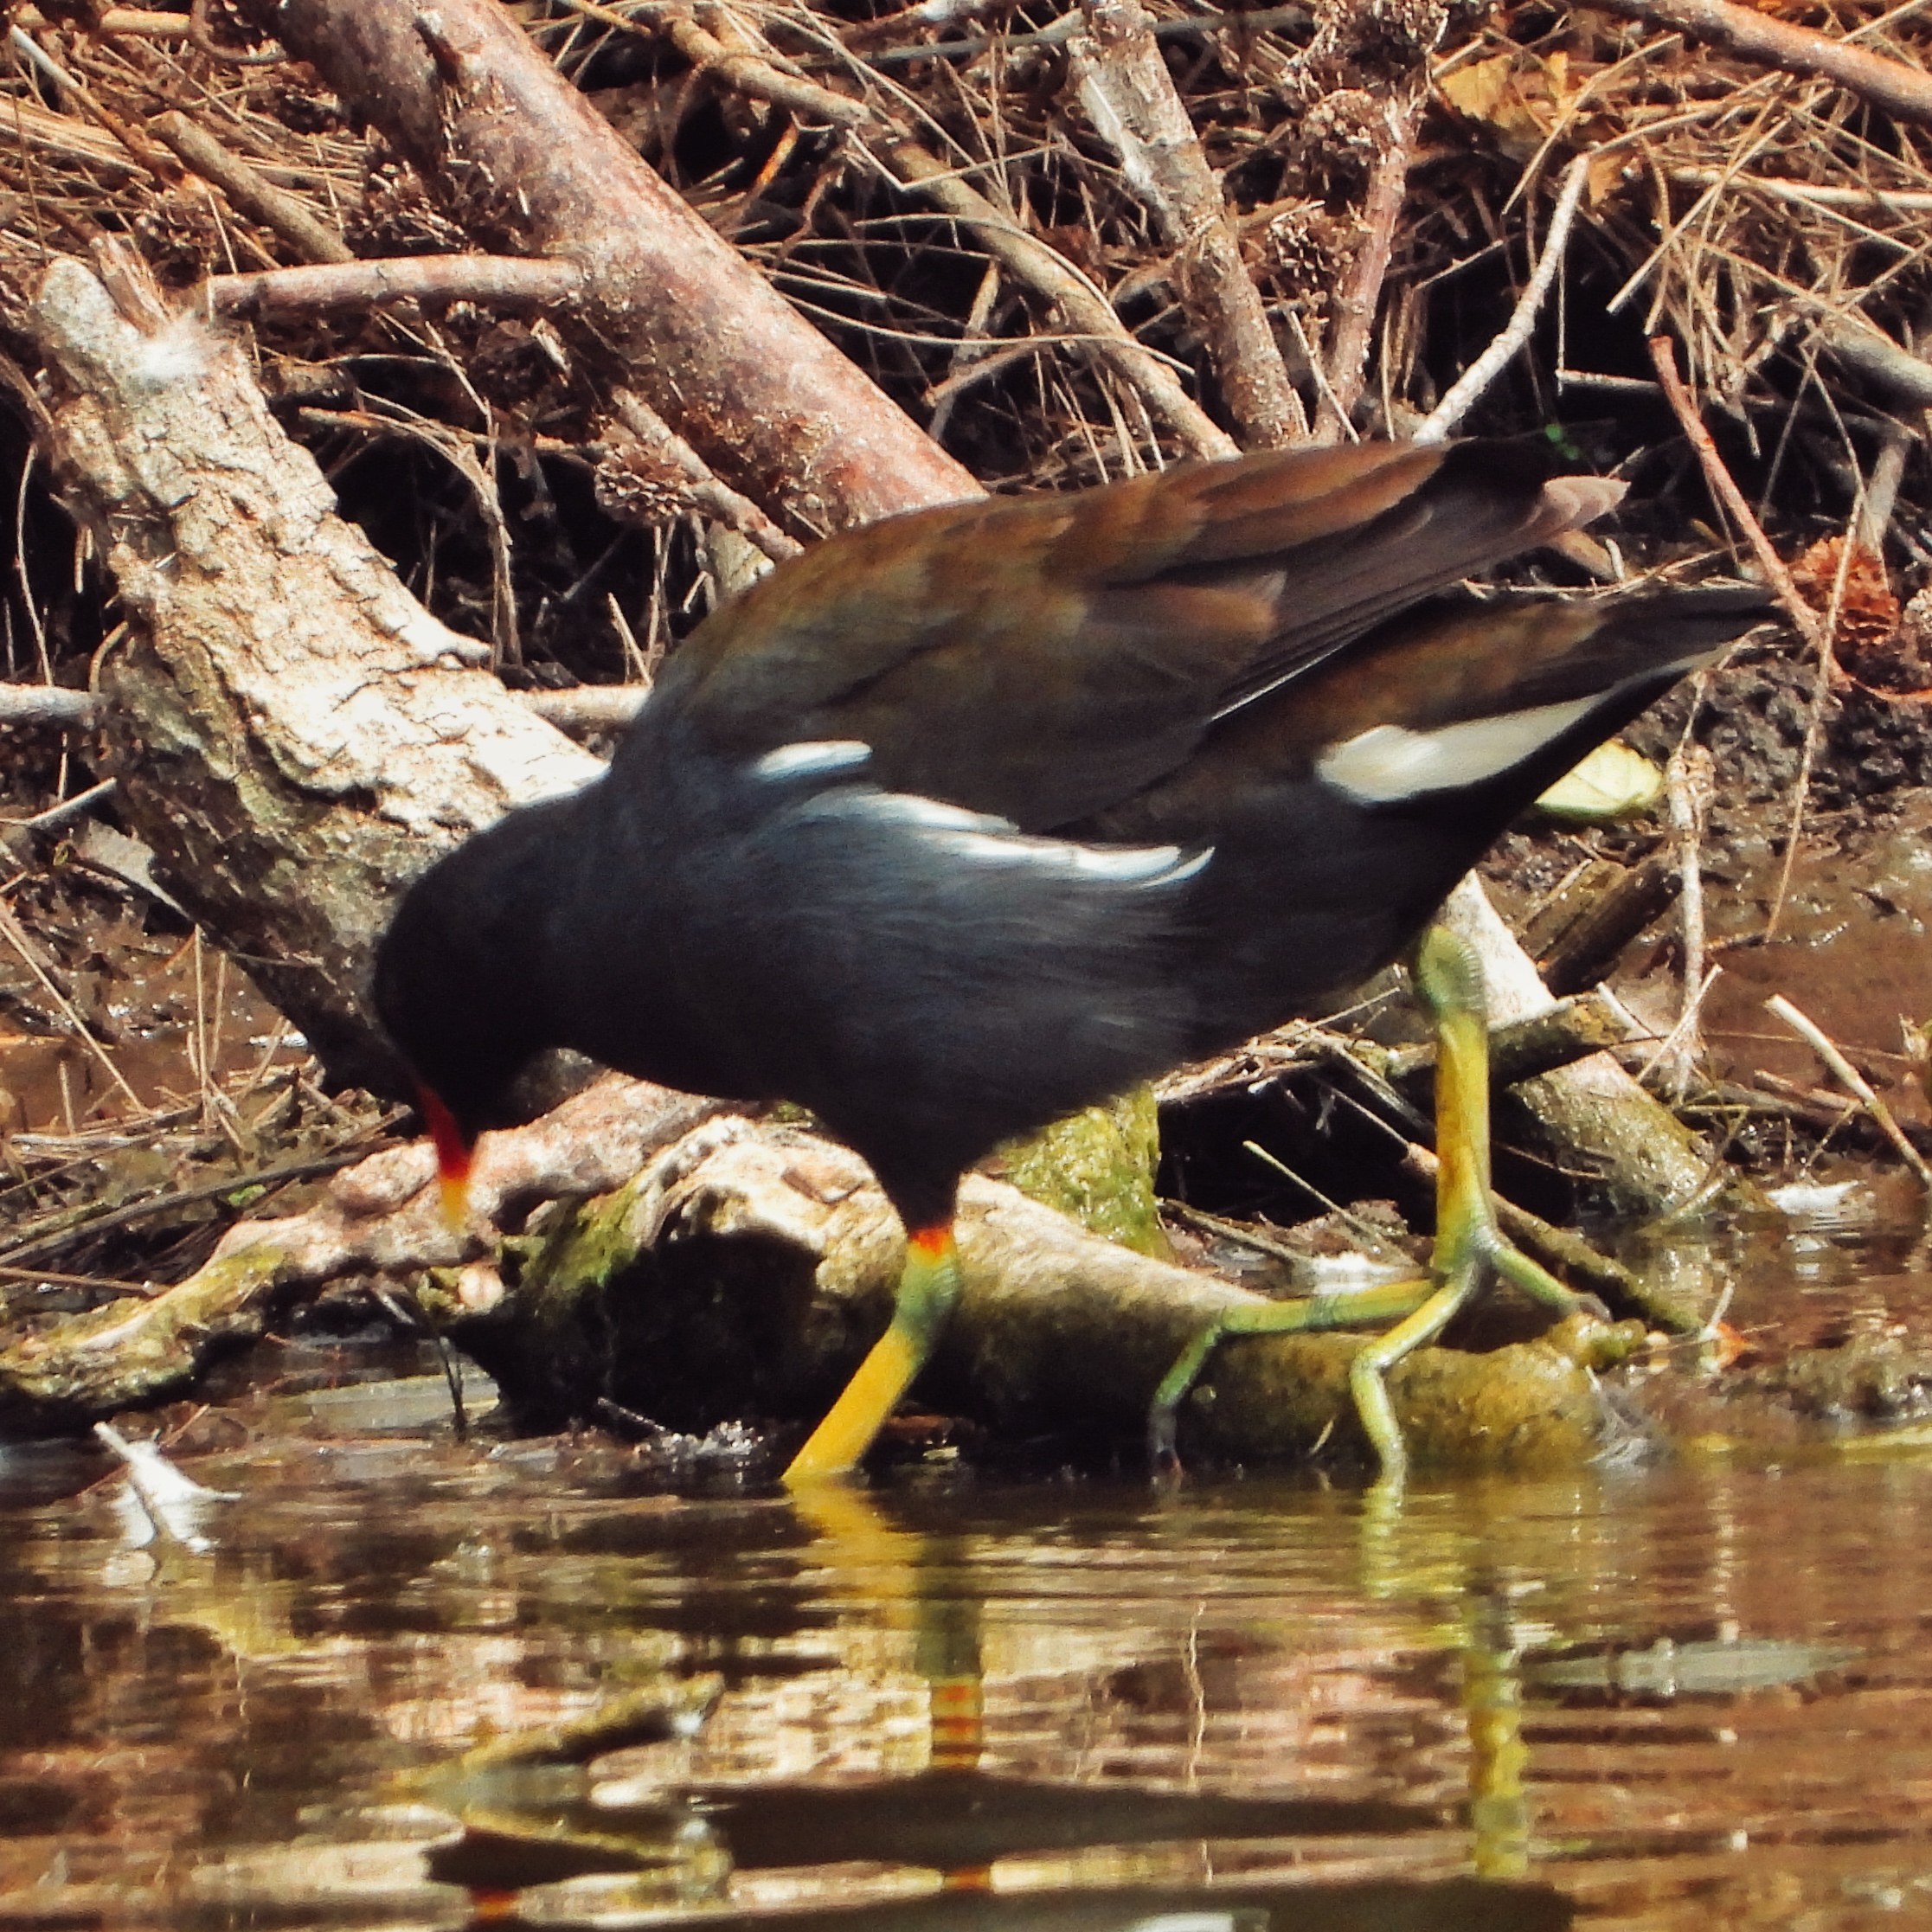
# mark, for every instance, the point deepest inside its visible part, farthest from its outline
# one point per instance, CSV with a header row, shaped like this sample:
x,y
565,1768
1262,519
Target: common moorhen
x,y
979,815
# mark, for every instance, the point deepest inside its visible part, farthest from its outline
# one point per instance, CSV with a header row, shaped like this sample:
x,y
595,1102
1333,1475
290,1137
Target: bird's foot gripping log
x,y
929,1290
1448,977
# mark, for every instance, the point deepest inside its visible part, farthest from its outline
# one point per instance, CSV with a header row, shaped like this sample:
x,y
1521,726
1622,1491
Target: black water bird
x,y
969,819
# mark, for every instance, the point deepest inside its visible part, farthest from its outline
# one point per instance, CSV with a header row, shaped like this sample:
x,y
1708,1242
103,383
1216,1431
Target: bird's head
x,y
454,992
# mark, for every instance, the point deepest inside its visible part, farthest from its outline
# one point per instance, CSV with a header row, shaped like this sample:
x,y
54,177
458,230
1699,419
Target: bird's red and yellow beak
x,y
453,1153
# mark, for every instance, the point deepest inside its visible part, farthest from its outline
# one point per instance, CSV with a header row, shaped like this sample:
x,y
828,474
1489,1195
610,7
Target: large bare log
x,y
294,735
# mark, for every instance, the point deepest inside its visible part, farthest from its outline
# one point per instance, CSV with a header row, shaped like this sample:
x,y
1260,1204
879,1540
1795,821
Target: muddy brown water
x,y
1681,1691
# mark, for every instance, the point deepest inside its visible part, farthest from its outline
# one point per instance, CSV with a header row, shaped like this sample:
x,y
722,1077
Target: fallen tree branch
x,y
529,166
1855,1084
1057,1330
382,1213
576,709
1769,42
1443,420
504,281
1877,357
285,214
1804,619
46,704
1081,307
1360,296
1538,1043
655,456
745,1270
1584,939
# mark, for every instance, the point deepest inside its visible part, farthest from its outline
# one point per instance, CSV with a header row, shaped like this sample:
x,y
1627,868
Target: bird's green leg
x,y
1352,1308
928,1289
1448,977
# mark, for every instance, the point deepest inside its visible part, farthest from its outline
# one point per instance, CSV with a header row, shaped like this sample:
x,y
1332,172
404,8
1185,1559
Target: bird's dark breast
x,y
924,989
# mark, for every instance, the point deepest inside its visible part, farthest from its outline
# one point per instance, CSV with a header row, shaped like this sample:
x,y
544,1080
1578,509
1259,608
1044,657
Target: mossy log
x,y
749,1268
745,1270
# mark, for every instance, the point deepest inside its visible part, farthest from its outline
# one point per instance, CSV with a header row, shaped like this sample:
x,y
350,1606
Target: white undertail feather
x,y
1388,763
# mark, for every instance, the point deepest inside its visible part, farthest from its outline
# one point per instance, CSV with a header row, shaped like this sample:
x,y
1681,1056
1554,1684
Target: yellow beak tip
x,y
455,1202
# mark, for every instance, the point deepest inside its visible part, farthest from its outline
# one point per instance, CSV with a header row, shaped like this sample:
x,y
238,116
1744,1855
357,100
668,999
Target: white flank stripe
x,y
979,838
818,754
1122,864
1389,762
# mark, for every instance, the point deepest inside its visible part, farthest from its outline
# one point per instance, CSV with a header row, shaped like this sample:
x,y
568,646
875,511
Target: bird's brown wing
x,y
1044,657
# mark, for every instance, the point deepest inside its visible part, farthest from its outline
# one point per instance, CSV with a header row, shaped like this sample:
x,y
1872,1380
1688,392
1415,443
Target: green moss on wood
x,y
1098,1167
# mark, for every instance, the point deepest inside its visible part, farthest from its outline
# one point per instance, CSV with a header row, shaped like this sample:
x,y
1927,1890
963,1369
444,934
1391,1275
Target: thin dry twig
x,y
137,144
45,704
914,165
1189,27
55,816
86,1224
656,457
1901,91
1691,785
134,21
1361,294
287,215
511,282
11,931
1441,421
1804,619
1821,1043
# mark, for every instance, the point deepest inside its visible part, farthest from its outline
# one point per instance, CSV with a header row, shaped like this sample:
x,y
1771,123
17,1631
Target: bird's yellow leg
x,y
928,1289
1448,977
